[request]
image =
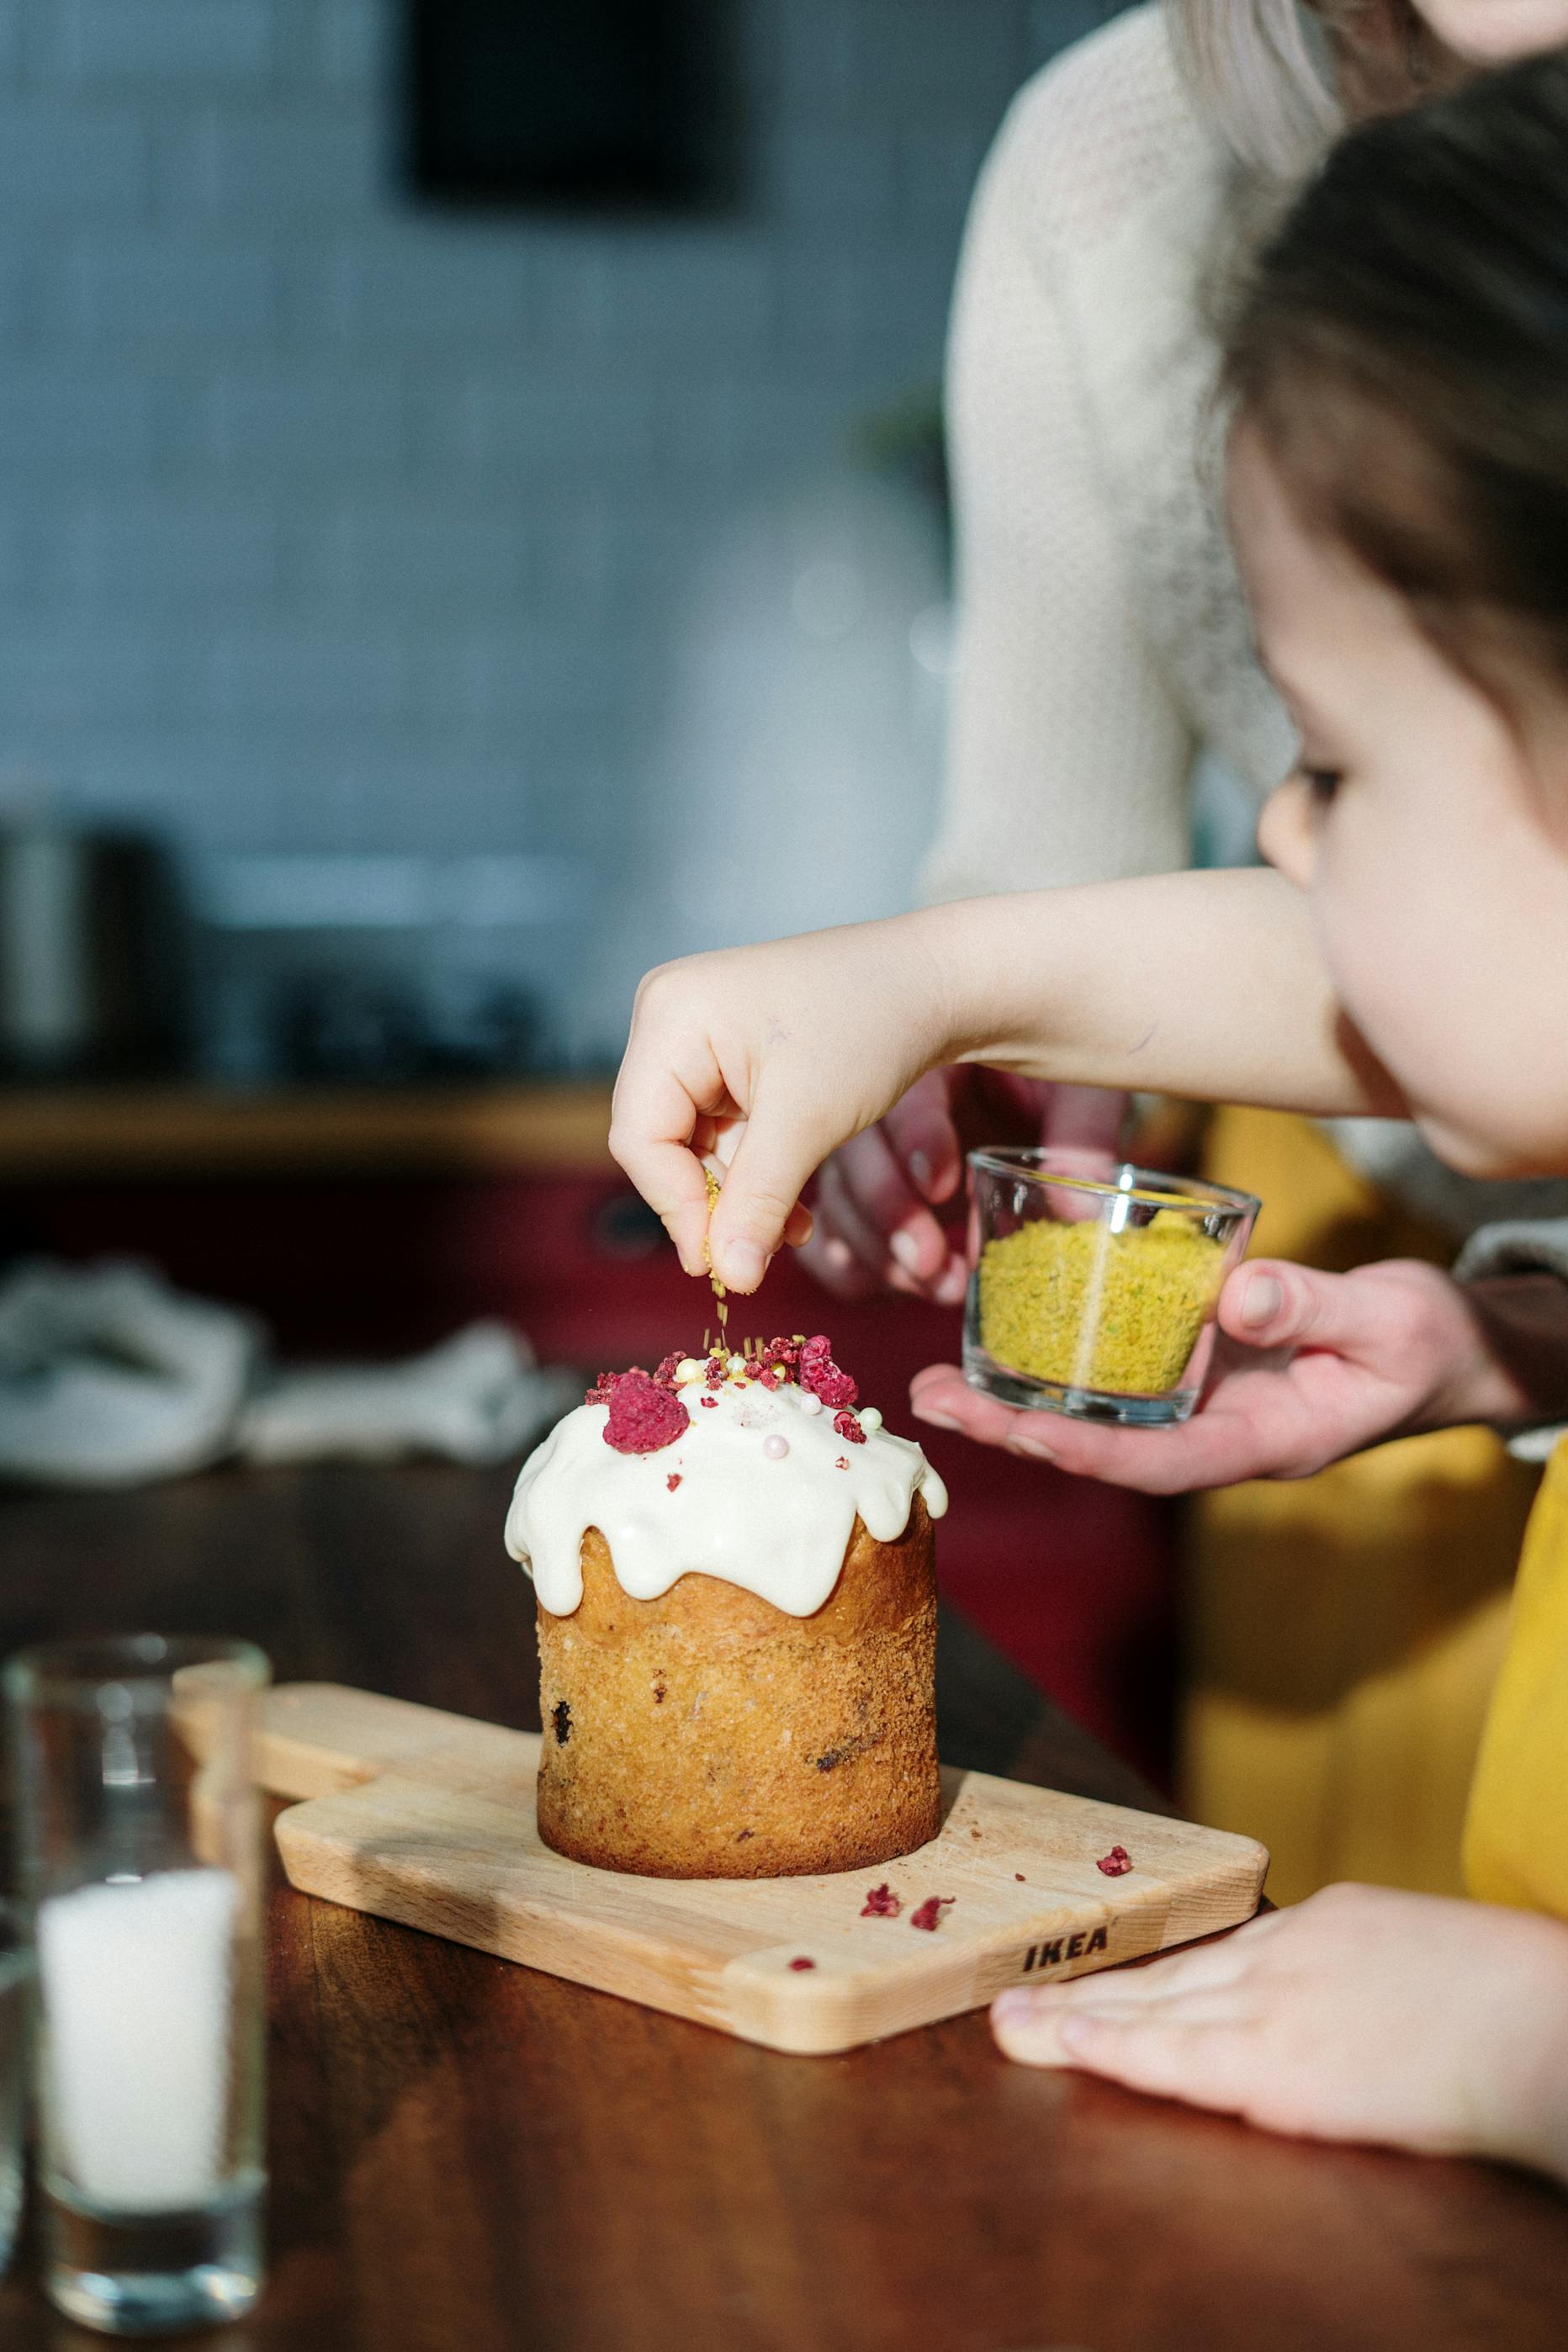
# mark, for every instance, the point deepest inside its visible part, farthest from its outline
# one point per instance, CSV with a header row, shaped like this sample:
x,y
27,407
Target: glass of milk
x,y
140,1838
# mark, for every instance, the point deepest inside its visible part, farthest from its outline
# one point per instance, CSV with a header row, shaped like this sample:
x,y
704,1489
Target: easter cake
x,y
734,1573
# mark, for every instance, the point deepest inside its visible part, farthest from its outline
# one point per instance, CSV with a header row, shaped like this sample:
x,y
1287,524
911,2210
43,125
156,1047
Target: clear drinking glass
x,y
1095,1294
16,2023
141,1846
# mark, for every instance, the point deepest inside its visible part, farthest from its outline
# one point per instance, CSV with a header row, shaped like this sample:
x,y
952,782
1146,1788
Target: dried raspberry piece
x,y
928,1913
603,1390
1116,1863
842,1463
711,1403
881,1904
713,1371
848,1427
663,1378
819,1373
803,1963
644,1418
770,1377
673,1480
780,1356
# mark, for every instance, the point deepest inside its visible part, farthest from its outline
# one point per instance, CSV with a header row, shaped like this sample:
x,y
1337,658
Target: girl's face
x,y
1430,841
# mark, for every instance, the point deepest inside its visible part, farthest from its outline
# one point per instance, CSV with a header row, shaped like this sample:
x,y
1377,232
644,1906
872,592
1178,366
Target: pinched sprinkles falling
x,y
1116,1863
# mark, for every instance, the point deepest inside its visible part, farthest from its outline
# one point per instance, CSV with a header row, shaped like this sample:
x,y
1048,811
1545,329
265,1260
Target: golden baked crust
x,y
709,1735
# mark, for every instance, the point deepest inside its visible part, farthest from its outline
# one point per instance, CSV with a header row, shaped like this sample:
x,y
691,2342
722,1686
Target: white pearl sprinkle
x,y
810,1401
776,1448
736,1364
689,1369
869,1417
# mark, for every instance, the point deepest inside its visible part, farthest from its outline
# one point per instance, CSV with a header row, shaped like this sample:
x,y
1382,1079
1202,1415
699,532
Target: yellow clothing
x,y
1344,1632
1516,1835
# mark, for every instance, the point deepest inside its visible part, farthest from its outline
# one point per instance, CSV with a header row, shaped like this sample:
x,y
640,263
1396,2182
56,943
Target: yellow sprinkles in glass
x,y
1086,1307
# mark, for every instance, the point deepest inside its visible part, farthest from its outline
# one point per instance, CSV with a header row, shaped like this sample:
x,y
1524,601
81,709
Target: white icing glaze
x,y
777,1525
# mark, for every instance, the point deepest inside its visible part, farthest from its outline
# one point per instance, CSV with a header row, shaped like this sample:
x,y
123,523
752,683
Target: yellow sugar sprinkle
x,y
724,1310
1086,1307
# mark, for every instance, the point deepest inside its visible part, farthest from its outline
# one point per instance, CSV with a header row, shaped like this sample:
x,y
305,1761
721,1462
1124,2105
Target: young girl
x,y
1398,486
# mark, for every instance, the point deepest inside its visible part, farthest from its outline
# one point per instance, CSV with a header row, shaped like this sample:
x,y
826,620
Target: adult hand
x,y
874,1226
1360,2014
1310,1366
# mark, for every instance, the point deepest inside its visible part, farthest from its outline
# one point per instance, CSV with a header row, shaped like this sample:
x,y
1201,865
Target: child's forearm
x,y
1205,985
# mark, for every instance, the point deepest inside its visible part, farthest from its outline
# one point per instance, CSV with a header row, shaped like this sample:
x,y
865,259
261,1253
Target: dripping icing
x,y
777,1525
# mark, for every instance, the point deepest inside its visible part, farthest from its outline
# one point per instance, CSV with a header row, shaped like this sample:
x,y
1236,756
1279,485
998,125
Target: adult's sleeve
x,y
1068,755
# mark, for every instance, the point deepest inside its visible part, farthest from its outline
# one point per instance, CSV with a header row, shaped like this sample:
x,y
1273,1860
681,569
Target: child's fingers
x,y
659,1120
779,1151
1270,1302
1209,2063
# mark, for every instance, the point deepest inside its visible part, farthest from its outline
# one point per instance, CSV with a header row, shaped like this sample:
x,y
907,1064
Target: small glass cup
x,y
15,2039
141,1846
1094,1295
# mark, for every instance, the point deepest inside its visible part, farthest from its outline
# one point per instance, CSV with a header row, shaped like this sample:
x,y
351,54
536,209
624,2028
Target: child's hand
x,y
792,1046
1322,1365
1360,2014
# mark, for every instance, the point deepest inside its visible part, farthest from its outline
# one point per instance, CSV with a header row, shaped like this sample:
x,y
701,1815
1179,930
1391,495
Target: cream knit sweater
x,y
1103,639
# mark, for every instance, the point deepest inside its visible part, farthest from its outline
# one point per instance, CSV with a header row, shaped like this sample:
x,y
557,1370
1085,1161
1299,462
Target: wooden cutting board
x,y
428,1819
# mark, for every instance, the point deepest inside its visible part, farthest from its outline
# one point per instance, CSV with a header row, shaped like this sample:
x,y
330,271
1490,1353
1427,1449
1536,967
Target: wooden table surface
x,y
470,2157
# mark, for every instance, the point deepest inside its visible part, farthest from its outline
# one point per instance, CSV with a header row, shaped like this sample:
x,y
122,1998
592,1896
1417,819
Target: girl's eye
x,y
1321,783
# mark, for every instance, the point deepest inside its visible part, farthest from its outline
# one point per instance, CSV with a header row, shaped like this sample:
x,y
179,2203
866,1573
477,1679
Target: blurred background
x,y
471,523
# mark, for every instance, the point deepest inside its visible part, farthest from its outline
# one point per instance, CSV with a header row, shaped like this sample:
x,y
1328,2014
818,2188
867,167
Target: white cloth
x,y
1103,640
108,1378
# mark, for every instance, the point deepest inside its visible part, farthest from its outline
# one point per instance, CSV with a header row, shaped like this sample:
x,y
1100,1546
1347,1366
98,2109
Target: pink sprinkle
x,y
803,1963
776,1448
928,1913
1116,1863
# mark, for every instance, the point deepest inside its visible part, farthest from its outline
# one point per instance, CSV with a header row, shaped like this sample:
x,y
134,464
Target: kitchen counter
x,y
119,1131
469,2156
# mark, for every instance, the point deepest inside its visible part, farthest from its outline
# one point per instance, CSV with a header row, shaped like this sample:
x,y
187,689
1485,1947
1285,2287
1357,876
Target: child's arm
x,y
1207,985
1360,2014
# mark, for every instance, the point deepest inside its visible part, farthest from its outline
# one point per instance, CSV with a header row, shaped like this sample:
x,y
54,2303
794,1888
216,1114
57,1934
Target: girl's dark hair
x,y
1402,349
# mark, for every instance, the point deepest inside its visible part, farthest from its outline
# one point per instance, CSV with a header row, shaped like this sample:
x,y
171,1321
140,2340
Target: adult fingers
x,y
1087,1118
922,1134
899,1234
843,1255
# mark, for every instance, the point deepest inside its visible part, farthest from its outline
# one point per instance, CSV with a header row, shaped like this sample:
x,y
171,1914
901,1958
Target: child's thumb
x,y
1273,1304
775,1159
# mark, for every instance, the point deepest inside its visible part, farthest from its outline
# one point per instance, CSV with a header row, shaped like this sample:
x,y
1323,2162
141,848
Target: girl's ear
x,y
1386,56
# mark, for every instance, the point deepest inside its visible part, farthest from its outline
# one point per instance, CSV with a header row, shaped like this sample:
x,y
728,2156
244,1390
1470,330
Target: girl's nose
x,y
1285,833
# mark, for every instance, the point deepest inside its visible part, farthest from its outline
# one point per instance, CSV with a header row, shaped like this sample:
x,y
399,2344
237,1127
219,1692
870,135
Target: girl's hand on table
x,y
1360,2014
873,1226
1310,1368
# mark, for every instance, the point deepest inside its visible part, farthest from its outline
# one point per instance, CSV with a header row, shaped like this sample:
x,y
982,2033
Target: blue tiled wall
x,y
327,523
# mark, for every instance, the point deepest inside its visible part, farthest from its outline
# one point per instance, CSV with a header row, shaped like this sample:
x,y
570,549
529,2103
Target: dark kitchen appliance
x,y
92,938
